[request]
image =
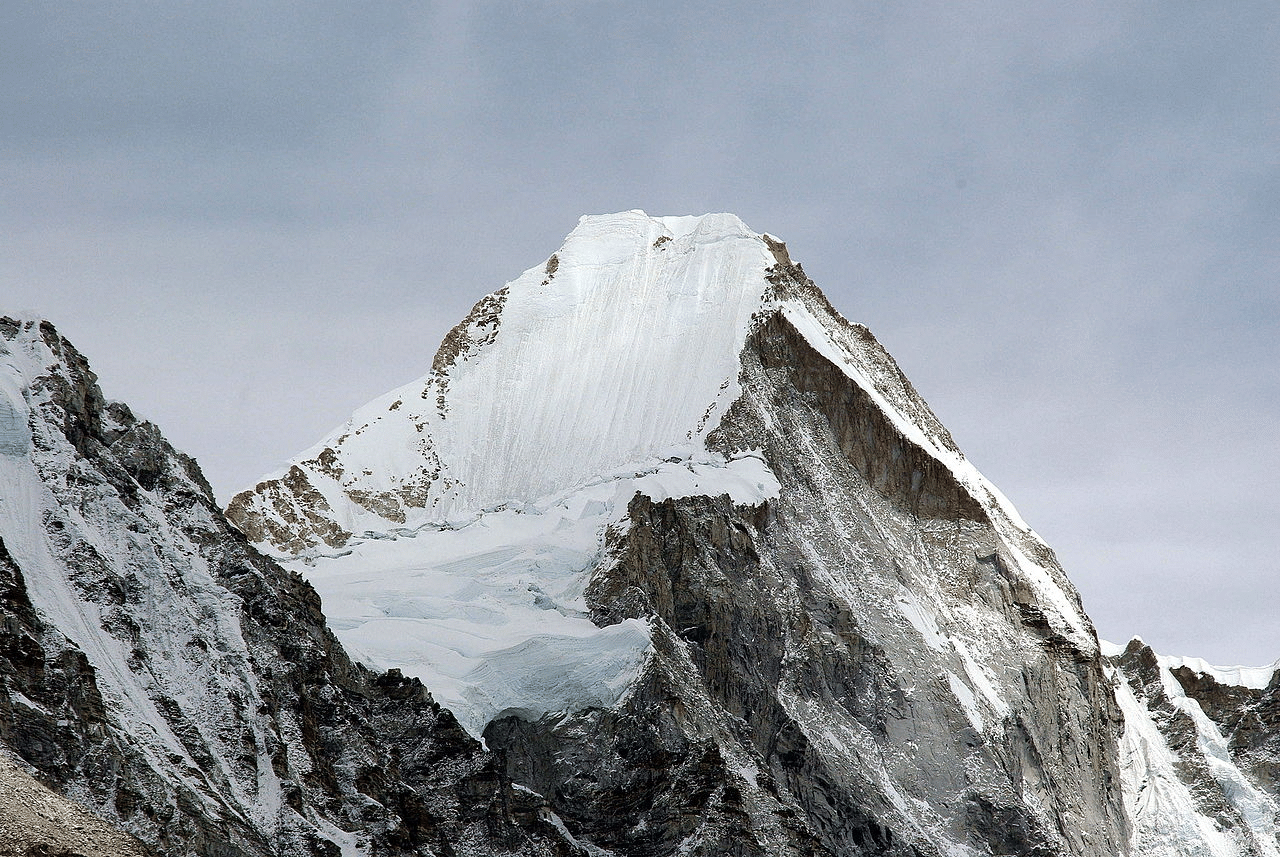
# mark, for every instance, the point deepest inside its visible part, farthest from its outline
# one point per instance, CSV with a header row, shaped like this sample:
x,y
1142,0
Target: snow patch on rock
x,y
1161,807
1167,817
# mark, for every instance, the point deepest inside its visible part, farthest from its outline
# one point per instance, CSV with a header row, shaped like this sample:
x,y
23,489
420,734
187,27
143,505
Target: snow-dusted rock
x,y
161,672
1200,754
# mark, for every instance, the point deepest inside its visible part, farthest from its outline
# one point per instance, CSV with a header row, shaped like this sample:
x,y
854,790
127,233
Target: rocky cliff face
x,y
1199,754
166,676
858,666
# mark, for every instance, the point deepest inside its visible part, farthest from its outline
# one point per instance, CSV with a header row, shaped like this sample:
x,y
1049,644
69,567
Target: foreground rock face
x,y
173,681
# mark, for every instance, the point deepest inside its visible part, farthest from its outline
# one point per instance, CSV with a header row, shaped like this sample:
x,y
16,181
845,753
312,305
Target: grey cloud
x,y
204,74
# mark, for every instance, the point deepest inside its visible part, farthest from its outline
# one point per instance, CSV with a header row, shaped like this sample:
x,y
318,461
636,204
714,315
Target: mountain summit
x,y
660,514
622,350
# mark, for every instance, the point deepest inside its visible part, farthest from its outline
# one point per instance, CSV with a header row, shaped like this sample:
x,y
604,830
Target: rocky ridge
x,y
1200,752
771,610
826,652
166,676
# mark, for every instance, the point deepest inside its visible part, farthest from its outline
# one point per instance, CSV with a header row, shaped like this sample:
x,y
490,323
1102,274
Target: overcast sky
x,y
1061,218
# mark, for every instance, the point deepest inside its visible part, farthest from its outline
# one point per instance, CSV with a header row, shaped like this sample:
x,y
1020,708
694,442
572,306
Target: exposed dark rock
x,y
1248,718
232,656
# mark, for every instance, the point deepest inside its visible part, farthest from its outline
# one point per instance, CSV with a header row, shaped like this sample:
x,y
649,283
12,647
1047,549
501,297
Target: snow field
x,y
625,347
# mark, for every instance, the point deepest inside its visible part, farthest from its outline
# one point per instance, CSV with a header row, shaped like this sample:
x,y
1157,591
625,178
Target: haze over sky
x,y
1062,220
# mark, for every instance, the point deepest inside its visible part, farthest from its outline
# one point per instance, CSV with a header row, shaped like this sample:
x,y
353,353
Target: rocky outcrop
x,y
299,517
288,513
175,682
1248,719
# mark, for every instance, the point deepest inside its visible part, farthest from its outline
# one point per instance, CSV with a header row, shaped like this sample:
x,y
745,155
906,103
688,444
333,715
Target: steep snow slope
x,y
834,637
621,350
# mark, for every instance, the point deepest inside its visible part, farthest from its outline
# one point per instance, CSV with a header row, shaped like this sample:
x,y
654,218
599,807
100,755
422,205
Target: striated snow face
x,y
586,380
621,350
14,438
619,358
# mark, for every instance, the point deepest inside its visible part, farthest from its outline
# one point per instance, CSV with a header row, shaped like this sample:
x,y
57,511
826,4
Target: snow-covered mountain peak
x,y
657,357
621,351
658,523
